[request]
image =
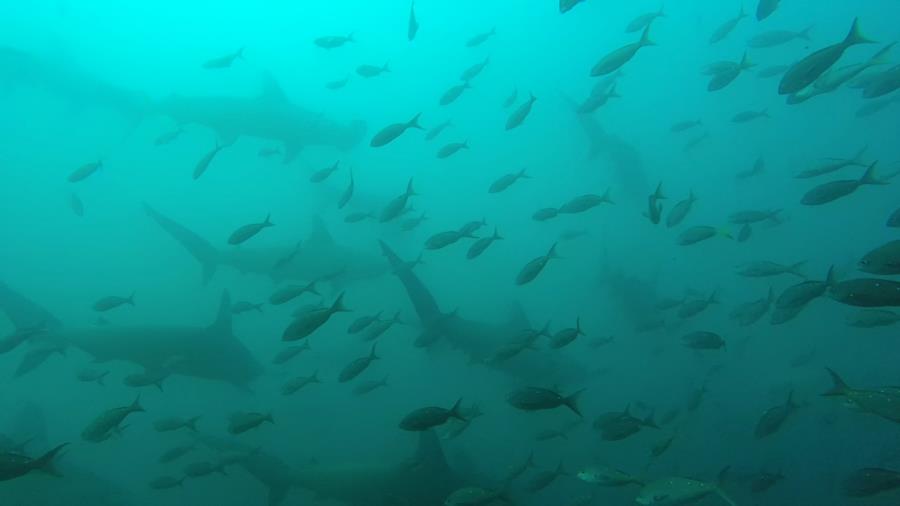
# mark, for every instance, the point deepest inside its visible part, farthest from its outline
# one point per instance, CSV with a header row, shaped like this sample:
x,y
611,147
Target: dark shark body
x,y
481,340
268,116
423,480
205,352
318,257
19,68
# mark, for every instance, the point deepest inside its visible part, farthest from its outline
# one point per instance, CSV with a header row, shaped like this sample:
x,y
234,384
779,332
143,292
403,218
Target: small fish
x,y
762,269
392,131
774,38
35,357
619,57
396,206
643,21
531,270
453,93
203,468
112,302
434,132
866,292
505,181
765,8
283,356
680,211
606,477
357,366
338,83
481,38
76,205
306,324
691,308
727,27
773,418
565,336
880,401
886,82
175,423
168,137
870,481
85,171
242,421
379,327
362,322
242,234
543,479
92,376
101,428
884,259
479,246
518,116
808,69
654,206
473,71
874,106
430,417
413,223
564,7
451,149
748,116
176,453
323,174
725,77
675,491
700,233
619,425
703,340
834,190
348,192
369,386
166,482
147,378
204,162
759,167
750,217
333,41
412,26
834,164
749,313
295,384
538,399
370,71
584,203
225,61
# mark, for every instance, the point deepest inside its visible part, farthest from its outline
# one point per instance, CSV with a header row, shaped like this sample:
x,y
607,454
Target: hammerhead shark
x,y
269,115
211,352
425,479
319,257
481,340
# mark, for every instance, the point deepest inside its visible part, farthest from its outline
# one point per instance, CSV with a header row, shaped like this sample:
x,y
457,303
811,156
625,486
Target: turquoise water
x,y
141,139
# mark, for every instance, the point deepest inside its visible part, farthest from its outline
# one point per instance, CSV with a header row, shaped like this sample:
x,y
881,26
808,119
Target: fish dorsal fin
x,y
272,91
222,325
320,235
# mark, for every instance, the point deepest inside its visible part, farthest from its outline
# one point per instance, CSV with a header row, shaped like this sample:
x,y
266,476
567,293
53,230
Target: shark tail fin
x,y
198,247
45,461
222,324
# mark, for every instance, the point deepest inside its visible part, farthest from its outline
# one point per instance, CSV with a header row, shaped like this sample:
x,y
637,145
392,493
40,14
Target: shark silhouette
x,y
269,116
481,340
425,479
317,258
205,352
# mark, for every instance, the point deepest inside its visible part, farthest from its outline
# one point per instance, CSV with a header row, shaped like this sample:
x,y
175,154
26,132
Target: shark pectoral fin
x,y
222,325
198,247
277,493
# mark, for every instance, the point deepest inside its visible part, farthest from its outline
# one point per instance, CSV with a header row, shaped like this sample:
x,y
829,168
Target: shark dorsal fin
x,y
320,235
222,325
429,455
272,91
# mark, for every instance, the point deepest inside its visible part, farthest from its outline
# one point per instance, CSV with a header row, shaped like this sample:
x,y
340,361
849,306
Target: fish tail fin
x,y
795,269
410,191
192,423
240,52
414,122
315,377
830,277
136,405
607,197
338,305
871,177
552,253
578,330
571,402
101,380
372,355
455,410
855,36
658,194
838,387
386,67
269,418
268,222
497,235
130,299
881,57
45,461
645,38
746,63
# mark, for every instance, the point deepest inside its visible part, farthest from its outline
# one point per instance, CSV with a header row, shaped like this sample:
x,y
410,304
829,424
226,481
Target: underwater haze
x,y
434,253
